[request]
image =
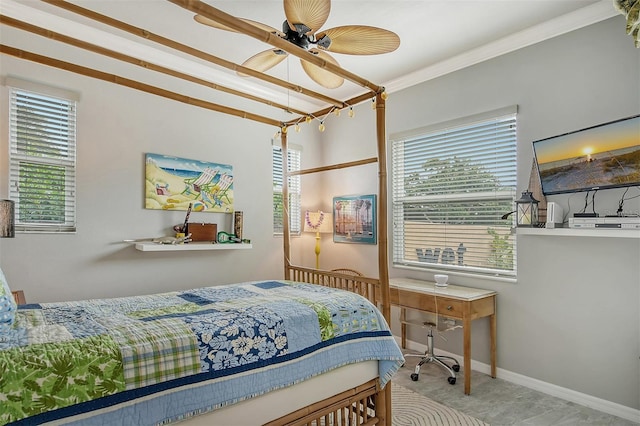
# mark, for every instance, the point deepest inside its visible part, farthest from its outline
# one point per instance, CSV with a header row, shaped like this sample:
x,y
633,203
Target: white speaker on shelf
x,y
555,214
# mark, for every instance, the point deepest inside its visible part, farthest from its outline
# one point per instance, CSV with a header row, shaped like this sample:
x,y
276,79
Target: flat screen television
x,y
598,157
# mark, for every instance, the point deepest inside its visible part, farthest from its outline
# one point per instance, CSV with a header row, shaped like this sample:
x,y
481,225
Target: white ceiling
x,y
437,36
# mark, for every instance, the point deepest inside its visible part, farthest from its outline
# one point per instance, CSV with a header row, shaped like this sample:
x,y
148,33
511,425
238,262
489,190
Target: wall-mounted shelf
x,y
148,246
580,232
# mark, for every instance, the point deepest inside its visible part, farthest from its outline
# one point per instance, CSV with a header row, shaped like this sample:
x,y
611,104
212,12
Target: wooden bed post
x,y
383,265
285,203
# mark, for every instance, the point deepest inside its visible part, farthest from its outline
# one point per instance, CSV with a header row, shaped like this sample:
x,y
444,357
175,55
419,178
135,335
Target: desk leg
x,y
492,333
403,327
466,331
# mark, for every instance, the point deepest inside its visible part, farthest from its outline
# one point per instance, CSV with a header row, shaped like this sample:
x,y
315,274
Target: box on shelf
x,y
202,231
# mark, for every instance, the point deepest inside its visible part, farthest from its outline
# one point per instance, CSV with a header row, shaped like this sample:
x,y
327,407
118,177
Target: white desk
x,y
452,301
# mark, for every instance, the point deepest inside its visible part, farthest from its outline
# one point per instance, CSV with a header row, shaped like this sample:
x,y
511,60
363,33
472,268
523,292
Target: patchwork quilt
x,y
177,354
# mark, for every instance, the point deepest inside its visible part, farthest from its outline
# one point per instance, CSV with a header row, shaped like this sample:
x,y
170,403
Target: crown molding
x,y
580,18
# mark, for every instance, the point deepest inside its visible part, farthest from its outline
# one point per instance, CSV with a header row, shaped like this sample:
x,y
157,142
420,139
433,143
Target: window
x,y
293,164
452,183
42,161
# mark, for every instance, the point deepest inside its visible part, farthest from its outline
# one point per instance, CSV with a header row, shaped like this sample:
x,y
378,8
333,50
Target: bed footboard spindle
x,y
349,408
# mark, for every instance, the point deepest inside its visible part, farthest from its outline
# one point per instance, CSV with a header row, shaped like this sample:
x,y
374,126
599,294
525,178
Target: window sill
x,y
475,277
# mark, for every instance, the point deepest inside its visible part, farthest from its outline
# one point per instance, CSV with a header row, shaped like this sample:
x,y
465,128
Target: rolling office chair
x,y
429,356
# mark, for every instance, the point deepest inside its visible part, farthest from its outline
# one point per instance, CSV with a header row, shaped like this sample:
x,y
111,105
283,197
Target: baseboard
x,y
599,404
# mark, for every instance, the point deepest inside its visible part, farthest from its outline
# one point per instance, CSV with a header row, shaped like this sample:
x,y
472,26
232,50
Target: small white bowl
x,y
441,280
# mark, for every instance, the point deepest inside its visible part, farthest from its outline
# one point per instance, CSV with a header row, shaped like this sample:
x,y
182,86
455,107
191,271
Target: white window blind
x,y
451,185
293,164
42,161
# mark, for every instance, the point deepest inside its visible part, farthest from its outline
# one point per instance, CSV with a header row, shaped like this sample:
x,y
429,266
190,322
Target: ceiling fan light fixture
x,y
324,42
303,20
301,28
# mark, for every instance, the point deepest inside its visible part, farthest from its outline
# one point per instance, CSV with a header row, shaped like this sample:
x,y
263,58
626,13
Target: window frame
x,y
401,250
60,137
294,188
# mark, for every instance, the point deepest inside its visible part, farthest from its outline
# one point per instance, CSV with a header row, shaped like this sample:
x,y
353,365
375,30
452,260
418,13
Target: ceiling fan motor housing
x,y
298,36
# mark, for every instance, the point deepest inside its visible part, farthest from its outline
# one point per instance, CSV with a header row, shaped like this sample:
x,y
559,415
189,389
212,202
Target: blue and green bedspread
x,y
158,358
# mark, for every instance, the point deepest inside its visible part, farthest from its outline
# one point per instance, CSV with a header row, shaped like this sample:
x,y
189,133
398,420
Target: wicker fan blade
x,y
312,13
321,76
264,60
360,40
206,21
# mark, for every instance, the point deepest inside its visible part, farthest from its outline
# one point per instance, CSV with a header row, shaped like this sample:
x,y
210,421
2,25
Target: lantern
x,y
527,210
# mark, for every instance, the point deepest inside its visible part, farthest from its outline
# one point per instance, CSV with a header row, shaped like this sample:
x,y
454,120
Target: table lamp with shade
x,y
320,223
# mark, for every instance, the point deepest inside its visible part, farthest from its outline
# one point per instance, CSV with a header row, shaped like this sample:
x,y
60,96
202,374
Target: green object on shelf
x,y
227,238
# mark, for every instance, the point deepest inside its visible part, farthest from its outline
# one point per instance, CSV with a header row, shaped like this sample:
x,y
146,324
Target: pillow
x,y
8,305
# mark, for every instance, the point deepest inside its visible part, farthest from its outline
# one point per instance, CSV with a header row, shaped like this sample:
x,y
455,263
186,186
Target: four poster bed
x,y
314,348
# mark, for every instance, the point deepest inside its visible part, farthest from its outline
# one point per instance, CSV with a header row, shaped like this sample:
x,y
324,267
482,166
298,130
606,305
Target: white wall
x,y
117,126
573,317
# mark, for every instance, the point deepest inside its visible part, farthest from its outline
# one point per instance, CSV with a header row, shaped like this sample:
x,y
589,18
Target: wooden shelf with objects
x,y
198,246
580,232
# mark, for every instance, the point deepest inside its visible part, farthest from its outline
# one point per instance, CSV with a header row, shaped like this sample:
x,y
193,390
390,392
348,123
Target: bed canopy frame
x,y
375,289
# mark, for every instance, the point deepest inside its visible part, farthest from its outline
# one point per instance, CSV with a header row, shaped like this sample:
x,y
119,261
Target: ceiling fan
x,y
303,19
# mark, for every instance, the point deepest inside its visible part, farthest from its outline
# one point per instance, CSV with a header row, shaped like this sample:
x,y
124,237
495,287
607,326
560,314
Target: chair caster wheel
x,y
455,368
414,377
451,380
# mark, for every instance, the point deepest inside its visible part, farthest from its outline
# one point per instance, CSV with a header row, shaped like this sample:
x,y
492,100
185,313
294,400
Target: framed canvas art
x,y
172,183
354,219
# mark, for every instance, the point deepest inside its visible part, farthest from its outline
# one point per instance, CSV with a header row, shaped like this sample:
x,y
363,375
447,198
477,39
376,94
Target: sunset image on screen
x,y
597,157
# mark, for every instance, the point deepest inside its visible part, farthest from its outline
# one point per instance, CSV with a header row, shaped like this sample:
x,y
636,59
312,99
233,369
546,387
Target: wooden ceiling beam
x,y
234,23
333,167
135,61
148,35
133,84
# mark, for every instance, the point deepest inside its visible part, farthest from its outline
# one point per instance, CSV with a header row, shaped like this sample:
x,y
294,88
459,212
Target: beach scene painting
x,y
174,183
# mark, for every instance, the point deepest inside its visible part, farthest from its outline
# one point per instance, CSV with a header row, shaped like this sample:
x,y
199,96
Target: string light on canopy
x,y
320,223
